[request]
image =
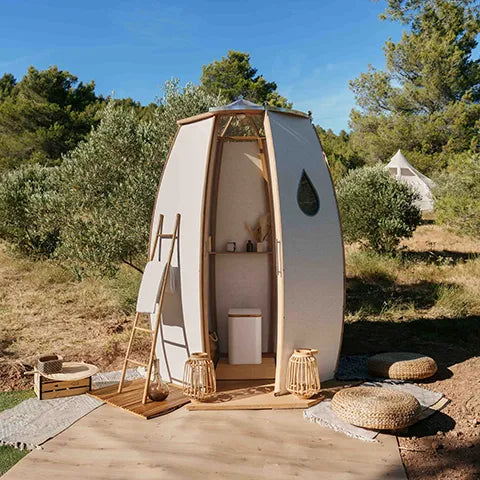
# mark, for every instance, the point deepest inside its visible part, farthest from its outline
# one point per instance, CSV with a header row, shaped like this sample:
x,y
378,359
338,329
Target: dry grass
x,y
44,309
431,237
425,299
436,274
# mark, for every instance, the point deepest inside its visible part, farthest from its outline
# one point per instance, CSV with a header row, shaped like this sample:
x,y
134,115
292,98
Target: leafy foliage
x,y
234,76
375,209
43,116
93,210
108,183
26,199
457,195
340,153
7,84
426,100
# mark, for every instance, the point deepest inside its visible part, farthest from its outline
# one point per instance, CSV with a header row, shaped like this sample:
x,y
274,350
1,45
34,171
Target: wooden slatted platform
x,y
131,399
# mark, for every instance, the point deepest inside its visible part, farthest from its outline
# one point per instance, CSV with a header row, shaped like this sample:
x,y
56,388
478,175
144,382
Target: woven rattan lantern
x,y
302,377
199,377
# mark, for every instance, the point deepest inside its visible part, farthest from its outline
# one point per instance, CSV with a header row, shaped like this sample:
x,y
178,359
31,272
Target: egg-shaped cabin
x,y
259,232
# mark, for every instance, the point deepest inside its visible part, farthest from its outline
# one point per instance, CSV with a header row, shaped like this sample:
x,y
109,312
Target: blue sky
x,y
311,49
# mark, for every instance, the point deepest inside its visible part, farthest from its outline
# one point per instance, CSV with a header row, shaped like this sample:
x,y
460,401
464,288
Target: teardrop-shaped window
x,y
307,196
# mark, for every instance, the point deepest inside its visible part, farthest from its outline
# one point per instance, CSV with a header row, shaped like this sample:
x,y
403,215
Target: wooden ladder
x,y
151,359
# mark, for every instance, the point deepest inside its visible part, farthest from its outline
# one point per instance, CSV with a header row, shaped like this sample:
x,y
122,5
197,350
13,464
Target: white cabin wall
x,y
242,281
182,191
311,251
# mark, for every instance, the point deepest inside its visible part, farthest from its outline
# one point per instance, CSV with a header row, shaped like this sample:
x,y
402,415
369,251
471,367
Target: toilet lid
x,y
244,312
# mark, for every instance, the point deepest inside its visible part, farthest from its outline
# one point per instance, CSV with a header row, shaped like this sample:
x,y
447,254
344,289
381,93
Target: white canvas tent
x,y
404,172
228,168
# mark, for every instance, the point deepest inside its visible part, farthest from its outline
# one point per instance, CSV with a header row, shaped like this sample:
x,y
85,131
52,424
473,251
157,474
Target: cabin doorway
x,y
240,265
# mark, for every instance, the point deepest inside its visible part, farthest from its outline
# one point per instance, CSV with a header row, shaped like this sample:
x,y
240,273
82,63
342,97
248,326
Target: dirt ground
x,y
445,446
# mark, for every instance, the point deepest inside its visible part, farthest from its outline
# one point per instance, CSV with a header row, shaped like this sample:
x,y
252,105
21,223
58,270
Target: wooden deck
x,y
254,444
251,395
262,371
131,399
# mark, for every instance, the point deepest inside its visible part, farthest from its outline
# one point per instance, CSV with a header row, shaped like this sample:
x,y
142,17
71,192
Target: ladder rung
x,y
145,330
140,364
165,235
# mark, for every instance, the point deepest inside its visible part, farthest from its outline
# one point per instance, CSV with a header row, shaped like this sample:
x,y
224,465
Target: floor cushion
x,y
402,366
376,407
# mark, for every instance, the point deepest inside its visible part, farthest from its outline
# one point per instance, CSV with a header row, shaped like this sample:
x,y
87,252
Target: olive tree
x,y
27,198
108,183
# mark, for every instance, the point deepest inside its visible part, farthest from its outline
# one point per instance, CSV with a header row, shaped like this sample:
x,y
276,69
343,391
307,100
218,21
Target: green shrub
x,y
457,195
375,209
27,197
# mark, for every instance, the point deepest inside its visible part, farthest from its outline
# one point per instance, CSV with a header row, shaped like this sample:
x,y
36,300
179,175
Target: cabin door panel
x,y
182,191
309,248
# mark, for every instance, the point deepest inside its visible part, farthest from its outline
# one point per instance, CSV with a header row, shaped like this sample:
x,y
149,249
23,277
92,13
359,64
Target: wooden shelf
x,y
240,253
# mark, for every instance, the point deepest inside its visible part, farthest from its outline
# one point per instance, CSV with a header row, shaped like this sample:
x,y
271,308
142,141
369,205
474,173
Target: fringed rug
x,y
33,422
324,415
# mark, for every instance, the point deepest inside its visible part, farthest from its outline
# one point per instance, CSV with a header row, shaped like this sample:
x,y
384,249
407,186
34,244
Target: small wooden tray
x,y
71,371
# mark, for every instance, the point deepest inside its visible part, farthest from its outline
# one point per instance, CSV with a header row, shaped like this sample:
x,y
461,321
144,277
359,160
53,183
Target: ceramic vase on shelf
x,y
302,376
199,382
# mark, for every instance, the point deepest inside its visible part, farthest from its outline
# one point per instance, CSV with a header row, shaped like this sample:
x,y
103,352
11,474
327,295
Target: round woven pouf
x,y
376,407
402,366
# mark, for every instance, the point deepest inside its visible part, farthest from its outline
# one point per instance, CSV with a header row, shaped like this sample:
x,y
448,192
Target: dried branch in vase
x,y
261,229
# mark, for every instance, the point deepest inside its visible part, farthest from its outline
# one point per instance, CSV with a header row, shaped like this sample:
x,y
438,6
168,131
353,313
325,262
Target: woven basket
x,y
402,366
49,364
376,407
